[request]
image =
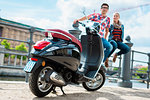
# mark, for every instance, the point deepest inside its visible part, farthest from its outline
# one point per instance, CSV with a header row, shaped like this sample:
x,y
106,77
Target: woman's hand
x,y
105,35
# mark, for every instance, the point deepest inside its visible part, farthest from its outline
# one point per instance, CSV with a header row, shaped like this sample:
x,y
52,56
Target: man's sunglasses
x,y
104,8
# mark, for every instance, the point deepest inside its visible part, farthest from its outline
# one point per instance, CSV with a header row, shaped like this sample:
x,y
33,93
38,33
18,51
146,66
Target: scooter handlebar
x,y
81,23
84,25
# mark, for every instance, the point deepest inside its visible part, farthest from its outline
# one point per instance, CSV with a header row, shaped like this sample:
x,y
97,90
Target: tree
x,y
20,47
7,45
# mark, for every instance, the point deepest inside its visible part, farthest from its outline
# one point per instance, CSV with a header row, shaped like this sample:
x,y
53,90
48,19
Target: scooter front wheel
x,y
96,84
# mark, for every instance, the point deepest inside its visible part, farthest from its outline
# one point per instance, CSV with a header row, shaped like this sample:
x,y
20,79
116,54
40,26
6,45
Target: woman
x,y
116,37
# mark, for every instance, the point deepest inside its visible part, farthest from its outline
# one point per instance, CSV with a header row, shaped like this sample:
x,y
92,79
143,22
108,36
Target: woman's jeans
x,y
107,49
122,46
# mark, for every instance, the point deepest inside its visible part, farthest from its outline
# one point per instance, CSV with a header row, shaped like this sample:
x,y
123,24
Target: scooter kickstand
x,y
62,90
53,90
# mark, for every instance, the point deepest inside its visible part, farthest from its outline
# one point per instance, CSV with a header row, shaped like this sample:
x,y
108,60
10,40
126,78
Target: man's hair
x,y
104,4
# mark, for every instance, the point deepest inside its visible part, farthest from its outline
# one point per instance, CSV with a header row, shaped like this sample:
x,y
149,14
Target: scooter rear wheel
x,y
37,83
97,84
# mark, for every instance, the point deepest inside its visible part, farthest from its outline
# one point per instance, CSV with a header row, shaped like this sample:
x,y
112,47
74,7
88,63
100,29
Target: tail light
x,y
34,59
40,45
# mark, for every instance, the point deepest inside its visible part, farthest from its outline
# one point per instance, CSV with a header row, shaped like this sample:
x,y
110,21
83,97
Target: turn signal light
x,y
43,63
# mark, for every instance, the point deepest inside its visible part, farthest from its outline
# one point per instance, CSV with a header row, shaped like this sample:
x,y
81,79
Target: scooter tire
x,y
33,85
94,89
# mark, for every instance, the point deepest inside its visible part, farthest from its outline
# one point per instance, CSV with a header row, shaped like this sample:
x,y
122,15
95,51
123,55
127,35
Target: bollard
x,y
75,31
126,72
148,72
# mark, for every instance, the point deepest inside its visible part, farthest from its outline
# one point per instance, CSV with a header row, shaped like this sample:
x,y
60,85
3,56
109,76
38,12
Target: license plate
x,y
29,66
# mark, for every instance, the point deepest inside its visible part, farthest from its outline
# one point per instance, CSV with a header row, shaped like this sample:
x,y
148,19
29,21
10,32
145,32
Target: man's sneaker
x,y
106,63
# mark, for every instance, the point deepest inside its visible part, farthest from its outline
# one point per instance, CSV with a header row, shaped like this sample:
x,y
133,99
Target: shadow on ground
x,y
83,96
107,94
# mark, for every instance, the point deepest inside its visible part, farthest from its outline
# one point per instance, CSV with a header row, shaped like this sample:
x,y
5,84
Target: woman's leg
x,y
114,44
123,48
108,48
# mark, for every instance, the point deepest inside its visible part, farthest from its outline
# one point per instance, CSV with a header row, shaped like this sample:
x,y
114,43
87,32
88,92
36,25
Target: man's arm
x,y
107,30
81,19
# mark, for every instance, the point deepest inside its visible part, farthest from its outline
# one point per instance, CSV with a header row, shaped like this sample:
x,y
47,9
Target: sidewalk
x,y
21,91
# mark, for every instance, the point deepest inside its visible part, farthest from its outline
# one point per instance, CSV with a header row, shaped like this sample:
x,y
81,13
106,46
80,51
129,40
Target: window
x,y
1,30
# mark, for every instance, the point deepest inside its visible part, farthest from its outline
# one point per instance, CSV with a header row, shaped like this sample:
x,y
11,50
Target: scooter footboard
x,y
92,54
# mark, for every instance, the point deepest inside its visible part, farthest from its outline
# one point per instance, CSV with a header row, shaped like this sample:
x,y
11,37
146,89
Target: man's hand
x,y
81,19
75,21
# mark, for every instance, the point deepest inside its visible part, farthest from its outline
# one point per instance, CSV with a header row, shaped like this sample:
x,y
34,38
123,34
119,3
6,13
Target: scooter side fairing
x,y
92,54
66,55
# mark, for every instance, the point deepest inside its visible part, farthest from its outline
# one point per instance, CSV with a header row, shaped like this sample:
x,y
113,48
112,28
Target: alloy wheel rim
x,y
95,84
42,84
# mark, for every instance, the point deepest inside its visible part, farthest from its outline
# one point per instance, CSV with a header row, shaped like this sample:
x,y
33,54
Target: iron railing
x,y
132,69
136,71
29,42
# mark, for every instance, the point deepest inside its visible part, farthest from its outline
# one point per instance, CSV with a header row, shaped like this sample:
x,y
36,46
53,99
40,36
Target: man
x,y
104,28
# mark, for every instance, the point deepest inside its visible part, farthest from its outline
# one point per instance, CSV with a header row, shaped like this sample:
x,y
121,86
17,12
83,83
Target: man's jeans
x,y
107,48
122,46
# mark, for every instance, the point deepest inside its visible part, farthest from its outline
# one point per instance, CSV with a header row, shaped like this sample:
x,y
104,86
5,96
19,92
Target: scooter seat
x,y
57,33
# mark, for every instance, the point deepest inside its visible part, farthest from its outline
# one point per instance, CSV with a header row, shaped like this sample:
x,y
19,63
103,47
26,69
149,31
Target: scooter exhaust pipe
x,y
55,78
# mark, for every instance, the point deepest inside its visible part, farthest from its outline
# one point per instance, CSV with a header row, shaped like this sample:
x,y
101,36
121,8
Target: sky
x,y
61,13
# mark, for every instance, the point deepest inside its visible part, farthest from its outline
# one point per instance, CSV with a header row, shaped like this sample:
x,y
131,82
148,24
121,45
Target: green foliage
x,y
7,45
136,76
116,69
12,48
142,70
20,47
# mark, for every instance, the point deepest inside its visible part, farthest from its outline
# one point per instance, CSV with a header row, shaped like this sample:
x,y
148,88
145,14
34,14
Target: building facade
x,y
18,33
